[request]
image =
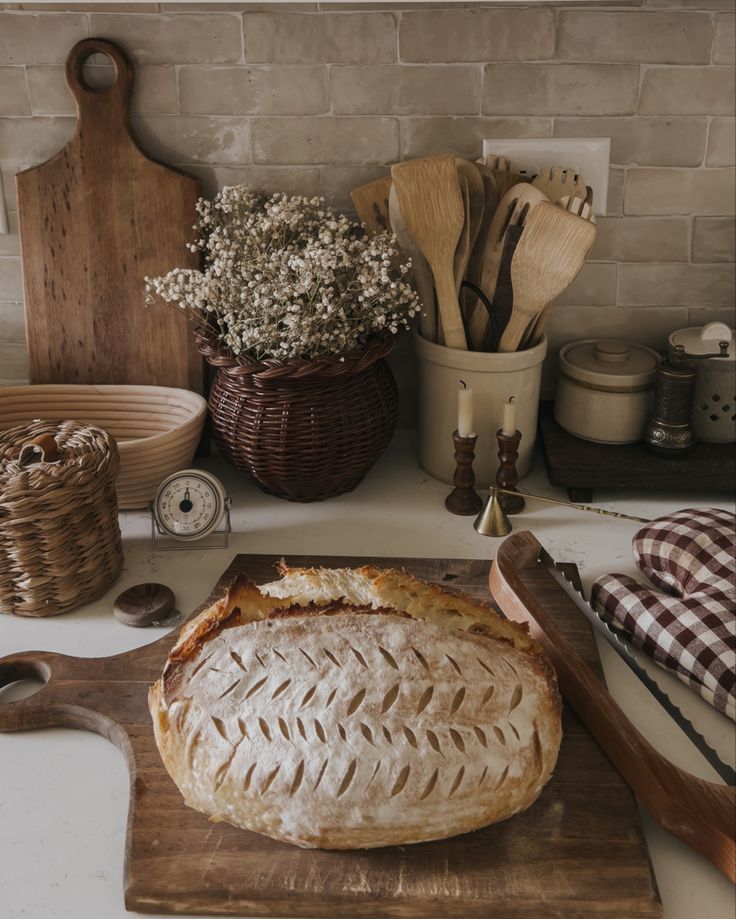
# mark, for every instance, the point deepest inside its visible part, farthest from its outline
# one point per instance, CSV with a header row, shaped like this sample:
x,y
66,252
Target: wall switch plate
x,y
589,156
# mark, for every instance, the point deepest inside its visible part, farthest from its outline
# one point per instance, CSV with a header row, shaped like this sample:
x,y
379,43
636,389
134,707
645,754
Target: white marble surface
x,y
64,794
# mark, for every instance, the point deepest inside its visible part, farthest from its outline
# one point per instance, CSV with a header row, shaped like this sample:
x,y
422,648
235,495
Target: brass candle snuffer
x,y
494,521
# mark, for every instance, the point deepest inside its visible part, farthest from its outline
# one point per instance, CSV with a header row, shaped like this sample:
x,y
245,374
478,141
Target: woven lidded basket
x,y
303,429
60,541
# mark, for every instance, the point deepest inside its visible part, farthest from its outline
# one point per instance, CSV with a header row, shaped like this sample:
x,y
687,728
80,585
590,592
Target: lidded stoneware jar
x,y
605,390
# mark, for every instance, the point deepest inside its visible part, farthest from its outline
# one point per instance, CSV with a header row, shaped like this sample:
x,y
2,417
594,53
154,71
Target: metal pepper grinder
x,y
668,431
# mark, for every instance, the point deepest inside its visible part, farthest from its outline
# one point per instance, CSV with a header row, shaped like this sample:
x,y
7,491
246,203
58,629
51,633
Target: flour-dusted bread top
x,y
344,724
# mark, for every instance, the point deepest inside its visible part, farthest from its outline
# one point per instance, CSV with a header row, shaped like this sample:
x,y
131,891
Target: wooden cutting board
x,y
577,852
94,220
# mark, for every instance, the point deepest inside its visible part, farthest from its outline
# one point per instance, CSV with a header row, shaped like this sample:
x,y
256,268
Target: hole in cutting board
x,y
20,689
98,72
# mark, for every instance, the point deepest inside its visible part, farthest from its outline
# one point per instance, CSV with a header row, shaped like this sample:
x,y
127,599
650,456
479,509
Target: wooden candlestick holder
x,y
464,499
507,476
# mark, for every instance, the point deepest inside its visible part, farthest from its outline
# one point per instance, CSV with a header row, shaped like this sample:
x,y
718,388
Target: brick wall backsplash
x,y
317,98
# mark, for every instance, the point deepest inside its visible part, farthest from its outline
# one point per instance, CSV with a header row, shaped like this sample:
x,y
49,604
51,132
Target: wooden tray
x,y
577,852
580,465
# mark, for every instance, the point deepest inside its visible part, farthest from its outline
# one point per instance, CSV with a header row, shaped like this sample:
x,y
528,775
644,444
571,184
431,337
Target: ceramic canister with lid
x,y
714,401
605,389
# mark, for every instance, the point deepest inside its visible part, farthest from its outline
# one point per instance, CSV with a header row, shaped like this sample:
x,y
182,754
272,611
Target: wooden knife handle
x,y
700,813
87,97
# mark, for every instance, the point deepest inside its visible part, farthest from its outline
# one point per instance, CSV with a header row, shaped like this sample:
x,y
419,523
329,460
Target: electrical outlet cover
x,y
589,156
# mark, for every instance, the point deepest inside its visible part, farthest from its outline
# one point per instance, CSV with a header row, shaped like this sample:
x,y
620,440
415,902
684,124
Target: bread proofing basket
x,y
157,428
60,541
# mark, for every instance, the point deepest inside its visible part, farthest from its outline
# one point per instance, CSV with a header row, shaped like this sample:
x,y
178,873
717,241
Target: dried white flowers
x,y
286,277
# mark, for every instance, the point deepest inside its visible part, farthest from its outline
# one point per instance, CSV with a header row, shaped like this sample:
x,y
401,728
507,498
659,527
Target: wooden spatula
x,y
371,204
515,204
490,204
550,253
560,181
476,195
432,206
535,330
423,280
471,184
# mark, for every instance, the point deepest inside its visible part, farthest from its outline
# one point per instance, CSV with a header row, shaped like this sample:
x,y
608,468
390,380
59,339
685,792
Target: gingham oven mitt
x,y
687,620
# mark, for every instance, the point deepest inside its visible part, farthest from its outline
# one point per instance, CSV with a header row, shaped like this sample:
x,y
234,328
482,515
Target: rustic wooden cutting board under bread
x,y
95,219
577,852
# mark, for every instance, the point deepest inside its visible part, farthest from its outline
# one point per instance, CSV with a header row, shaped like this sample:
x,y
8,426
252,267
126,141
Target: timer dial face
x,y
189,504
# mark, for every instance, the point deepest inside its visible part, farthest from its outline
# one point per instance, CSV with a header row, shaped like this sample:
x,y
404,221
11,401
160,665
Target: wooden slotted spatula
x,y
423,280
371,204
550,253
432,206
515,204
560,181
533,334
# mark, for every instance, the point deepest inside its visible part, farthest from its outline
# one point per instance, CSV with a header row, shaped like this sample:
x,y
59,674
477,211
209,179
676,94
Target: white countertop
x,y
64,794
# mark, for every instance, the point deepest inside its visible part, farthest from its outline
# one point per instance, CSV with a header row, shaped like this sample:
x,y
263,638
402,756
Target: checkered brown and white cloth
x,y
687,621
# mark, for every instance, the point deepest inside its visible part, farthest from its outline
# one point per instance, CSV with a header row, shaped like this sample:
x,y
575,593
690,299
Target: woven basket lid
x,y
50,455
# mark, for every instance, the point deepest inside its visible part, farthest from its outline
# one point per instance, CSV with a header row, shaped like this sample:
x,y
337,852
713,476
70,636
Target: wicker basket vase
x,y
60,541
305,430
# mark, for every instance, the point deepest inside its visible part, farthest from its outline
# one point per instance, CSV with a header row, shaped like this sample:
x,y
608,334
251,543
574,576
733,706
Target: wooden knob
x,y
144,605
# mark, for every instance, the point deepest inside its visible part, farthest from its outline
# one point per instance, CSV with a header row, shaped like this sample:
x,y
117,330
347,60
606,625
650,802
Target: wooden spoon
x,y
432,206
514,207
550,253
371,204
560,181
423,281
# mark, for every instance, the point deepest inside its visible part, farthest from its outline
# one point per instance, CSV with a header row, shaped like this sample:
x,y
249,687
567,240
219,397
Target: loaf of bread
x,y
355,708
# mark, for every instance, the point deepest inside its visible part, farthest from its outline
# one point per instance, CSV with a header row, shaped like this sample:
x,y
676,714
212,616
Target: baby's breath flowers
x,y
287,277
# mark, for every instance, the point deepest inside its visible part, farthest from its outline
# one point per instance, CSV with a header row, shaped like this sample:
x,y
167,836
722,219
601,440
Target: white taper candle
x,y
465,410
509,417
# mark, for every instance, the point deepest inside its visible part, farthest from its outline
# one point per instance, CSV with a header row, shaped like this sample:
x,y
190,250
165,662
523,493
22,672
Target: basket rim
x,y
110,397
324,365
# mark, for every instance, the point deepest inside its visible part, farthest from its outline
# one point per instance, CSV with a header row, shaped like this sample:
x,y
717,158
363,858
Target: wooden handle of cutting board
x,y
75,694
699,813
111,104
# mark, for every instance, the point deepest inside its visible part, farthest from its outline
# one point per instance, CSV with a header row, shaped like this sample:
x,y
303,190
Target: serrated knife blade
x,y
629,658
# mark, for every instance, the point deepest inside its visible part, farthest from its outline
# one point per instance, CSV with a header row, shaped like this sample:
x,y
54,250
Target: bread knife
x,y
629,658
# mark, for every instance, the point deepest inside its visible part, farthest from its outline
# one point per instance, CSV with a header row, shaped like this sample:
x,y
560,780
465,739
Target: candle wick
x,y
463,384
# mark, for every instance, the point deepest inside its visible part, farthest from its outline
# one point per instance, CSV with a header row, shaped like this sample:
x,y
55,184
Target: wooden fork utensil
x,y
560,181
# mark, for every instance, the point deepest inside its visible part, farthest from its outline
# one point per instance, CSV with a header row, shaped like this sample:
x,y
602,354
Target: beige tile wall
x,y
317,98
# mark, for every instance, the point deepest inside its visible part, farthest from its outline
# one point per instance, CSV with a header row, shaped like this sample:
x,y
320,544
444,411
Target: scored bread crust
x,y
355,708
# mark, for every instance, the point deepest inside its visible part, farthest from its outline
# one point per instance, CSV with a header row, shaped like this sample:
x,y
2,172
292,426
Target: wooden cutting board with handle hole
x,y
95,220
577,852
